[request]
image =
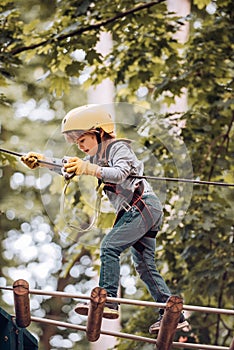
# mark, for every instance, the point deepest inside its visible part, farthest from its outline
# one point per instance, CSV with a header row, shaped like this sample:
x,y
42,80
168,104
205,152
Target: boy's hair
x,y
74,135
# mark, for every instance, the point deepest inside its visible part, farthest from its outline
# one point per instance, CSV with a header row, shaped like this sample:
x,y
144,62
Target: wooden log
x,y
96,307
172,312
22,304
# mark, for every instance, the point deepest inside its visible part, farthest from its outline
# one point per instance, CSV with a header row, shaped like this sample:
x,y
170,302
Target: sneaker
x,y
182,322
82,309
110,310
154,328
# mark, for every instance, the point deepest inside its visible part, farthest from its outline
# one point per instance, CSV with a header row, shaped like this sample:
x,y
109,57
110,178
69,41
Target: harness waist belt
x,y
139,203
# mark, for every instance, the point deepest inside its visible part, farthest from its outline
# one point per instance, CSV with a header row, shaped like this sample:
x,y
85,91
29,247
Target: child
x,y
139,211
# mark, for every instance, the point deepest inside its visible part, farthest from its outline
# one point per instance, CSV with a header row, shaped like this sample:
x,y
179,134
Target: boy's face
x,y
88,144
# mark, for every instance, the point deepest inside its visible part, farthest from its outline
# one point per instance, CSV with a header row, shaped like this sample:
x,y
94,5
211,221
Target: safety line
x,y
127,336
17,154
127,301
196,182
185,307
193,181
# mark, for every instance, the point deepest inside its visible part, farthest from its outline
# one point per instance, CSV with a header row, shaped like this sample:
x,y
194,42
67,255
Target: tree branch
x,y
79,31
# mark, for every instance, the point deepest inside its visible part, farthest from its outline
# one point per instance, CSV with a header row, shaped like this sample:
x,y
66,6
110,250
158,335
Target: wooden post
x,y
172,312
96,307
21,300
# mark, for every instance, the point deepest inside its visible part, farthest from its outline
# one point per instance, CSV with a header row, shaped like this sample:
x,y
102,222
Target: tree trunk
x,y
104,94
180,8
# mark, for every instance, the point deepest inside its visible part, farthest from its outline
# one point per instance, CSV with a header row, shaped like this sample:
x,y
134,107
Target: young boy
x,y
139,211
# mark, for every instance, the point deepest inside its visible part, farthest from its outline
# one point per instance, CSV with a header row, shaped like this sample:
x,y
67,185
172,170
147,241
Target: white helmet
x,y
87,118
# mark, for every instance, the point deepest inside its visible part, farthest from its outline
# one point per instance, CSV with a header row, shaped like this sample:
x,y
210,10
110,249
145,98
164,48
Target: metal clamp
x,y
126,206
67,176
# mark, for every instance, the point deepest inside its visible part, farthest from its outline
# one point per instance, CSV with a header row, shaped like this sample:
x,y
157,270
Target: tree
x,y
47,49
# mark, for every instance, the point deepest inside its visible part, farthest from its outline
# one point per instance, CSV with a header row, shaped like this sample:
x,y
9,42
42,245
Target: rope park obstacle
x,y
147,177
172,310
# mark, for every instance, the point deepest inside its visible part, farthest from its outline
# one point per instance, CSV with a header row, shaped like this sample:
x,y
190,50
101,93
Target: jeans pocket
x,y
129,217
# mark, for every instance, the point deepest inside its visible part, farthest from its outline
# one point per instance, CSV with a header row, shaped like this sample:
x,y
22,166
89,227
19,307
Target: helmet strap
x,y
98,136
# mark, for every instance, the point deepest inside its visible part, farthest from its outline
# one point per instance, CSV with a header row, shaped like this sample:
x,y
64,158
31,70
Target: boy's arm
x,y
121,164
34,160
80,167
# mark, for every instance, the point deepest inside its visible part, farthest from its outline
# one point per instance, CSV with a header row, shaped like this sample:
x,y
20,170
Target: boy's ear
x,y
102,132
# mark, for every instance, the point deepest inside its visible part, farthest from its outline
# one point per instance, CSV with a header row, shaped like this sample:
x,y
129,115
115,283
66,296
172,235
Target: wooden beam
x,y
172,312
96,307
21,300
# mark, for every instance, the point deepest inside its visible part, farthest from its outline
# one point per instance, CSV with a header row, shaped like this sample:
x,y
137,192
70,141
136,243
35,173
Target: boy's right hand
x,y
31,159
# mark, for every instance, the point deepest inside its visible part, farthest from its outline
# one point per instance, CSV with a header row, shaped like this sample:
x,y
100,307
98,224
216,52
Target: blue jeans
x,y
131,231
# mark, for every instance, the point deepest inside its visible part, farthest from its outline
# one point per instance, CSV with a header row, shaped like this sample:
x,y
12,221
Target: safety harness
x,y
131,199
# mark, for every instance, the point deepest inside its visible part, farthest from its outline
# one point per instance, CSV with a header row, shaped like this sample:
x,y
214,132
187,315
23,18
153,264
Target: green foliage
x,y
201,3
73,29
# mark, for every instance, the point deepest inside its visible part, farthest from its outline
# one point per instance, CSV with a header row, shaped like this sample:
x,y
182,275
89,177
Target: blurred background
x,y
165,71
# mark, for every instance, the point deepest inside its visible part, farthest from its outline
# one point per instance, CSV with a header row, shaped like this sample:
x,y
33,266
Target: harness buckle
x,y
126,206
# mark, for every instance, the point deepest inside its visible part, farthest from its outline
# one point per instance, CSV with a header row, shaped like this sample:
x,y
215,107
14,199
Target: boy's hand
x,y
79,167
31,159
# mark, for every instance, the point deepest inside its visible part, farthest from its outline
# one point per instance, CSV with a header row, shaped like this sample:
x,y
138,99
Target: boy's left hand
x,y
79,167
31,159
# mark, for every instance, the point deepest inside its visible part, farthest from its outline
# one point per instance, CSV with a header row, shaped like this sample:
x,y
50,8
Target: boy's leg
x,y
132,227
124,234
143,253
121,237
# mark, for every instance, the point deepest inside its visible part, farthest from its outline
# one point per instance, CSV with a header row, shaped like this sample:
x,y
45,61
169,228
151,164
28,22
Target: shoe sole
x,y
179,326
106,314
182,325
154,331
82,310
110,316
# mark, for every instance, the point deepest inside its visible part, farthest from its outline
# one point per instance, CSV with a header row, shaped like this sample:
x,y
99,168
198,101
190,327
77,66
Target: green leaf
x,y
201,3
59,85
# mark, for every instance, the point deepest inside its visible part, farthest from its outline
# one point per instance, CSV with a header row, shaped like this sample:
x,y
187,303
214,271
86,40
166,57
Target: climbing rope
x,y
96,209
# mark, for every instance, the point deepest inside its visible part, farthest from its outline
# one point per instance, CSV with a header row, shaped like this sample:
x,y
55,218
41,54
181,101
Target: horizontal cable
x,y
185,307
193,181
175,179
126,335
127,301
